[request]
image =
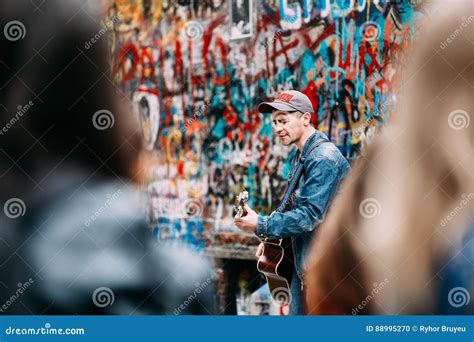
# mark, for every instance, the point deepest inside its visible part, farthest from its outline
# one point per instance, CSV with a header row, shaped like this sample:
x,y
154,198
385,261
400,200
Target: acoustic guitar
x,y
276,262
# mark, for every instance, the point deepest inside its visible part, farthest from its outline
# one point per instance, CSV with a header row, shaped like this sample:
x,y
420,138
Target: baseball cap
x,y
288,101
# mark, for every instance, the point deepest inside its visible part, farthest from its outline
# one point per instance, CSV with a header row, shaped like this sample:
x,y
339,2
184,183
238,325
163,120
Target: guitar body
x,y
277,264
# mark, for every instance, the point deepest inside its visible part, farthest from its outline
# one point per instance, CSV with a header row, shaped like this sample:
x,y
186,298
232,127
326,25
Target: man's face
x,y
288,126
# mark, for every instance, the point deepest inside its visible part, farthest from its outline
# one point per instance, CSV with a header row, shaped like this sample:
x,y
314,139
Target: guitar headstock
x,y
240,202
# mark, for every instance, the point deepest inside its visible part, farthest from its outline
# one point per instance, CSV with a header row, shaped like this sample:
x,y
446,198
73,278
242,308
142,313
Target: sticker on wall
x,y
241,19
147,107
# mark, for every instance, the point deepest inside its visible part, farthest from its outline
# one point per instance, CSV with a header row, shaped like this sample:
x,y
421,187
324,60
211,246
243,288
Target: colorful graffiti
x,y
197,90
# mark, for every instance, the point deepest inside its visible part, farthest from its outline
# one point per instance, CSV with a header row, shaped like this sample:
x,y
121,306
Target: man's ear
x,y
307,115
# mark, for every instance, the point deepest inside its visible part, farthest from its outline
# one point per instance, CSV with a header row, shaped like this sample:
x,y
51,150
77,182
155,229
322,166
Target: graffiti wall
x,y
195,71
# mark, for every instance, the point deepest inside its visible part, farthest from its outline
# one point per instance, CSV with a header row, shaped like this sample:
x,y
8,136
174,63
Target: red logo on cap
x,y
284,97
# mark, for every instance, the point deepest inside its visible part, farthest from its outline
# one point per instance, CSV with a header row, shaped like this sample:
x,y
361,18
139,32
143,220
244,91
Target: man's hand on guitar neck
x,y
248,222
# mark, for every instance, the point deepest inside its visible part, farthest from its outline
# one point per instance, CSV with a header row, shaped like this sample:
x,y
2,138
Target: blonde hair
x,y
392,217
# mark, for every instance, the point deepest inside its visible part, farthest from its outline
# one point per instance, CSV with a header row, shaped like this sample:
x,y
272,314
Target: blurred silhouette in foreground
x,y
73,236
399,239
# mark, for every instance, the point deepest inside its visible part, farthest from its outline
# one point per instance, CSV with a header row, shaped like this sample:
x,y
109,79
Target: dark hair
x,y
57,90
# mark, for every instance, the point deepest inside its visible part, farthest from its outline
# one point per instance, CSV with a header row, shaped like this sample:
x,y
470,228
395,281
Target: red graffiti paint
x,y
283,50
311,91
180,168
179,74
327,32
372,52
348,49
126,51
147,64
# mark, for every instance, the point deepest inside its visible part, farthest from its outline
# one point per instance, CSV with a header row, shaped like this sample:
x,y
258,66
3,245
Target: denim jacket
x,y
323,170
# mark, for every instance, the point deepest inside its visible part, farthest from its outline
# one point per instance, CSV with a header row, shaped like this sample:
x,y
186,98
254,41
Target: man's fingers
x,y
259,251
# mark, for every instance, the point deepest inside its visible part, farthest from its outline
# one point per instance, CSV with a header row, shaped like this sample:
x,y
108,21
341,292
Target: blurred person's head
x,y
389,225
58,104
69,154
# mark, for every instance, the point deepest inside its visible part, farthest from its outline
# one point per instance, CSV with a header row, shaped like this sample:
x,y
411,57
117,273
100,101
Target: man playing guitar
x,y
317,169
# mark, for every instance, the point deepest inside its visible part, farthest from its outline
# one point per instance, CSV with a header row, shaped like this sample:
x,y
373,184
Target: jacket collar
x,y
315,137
